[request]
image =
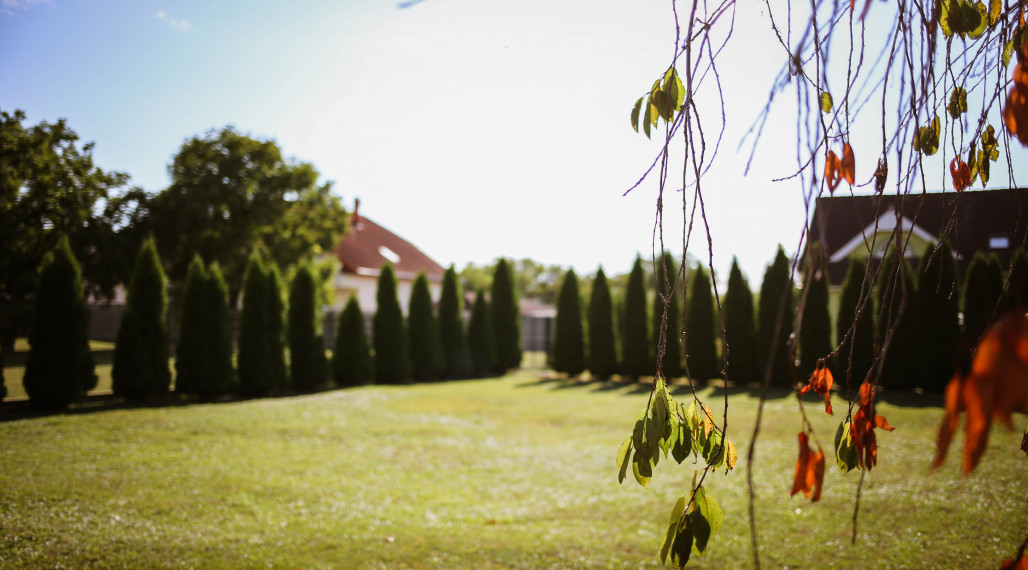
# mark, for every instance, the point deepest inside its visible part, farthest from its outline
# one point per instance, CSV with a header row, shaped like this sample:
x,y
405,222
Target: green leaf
x,y
622,458
983,168
660,101
983,20
706,518
646,120
945,9
826,102
694,420
669,539
639,432
990,146
682,548
635,114
957,102
682,445
678,510
642,469
679,89
1008,52
713,451
845,452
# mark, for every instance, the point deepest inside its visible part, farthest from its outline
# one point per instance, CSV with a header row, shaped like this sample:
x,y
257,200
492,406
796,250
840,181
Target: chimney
x,y
355,219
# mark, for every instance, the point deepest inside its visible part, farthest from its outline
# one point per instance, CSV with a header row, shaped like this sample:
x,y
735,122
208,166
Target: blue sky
x,y
474,128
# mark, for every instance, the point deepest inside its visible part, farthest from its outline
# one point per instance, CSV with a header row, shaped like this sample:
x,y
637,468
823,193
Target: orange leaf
x,y
1015,111
832,171
848,164
996,387
820,382
961,174
862,433
810,470
1020,563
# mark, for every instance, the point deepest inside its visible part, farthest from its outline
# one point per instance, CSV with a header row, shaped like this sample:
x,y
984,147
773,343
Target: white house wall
x,y
366,289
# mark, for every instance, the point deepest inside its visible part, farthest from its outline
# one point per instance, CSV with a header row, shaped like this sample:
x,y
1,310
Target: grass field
x,y
517,472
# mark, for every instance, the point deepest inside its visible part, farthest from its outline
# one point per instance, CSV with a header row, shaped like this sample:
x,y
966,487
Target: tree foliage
x,y
602,346
456,358
255,361
203,361
699,329
936,309
815,340
568,354
856,342
775,317
59,369
308,366
426,351
140,370
351,359
231,193
506,318
983,287
635,344
392,360
667,317
740,328
480,337
895,294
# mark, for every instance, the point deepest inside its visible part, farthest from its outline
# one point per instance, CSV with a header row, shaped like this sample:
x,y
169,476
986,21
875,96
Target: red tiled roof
x,y
368,246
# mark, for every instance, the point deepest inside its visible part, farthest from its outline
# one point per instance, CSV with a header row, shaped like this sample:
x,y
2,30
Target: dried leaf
x,y
1015,111
996,387
848,164
961,174
833,174
820,382
810,470
862,433
881,174
1019,563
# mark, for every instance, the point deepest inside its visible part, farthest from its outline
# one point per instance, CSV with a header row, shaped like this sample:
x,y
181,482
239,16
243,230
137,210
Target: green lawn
x,y
516,472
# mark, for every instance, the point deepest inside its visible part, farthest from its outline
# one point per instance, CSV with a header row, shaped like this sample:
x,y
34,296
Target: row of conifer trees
x,y
926,340
424,347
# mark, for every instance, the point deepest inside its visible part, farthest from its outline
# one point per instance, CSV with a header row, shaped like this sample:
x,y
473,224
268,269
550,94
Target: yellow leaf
x,y
995,7
635,114
826,102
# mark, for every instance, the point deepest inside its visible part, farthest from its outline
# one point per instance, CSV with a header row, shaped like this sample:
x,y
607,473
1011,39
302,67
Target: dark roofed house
x,y
364,251
850,227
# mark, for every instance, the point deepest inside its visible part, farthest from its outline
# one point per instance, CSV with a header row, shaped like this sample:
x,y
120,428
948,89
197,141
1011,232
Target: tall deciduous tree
x,y
857,341
602,351
51,187
230,193
59,369
307,364
456,358
426,351
480,337
740,328
667,315
776,312
635,353
351,359
699,328
815,340
392,362
936,309
568,341
895,309
506,319
140,370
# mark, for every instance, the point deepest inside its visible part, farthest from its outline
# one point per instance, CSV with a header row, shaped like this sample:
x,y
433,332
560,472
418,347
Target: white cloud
x,y
9,7
180,25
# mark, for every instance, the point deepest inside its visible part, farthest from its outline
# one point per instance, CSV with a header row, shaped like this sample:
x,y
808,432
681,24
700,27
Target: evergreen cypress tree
x,y
1016,296
426,350
456,357
776,285
740,328
667,272
392,365
3,387
351,359
815,339
219,377
480,337
896,287
636,360
568,341
506,320
275,337
59,369
140,368
983,287
191,354
602,350
254,360
700,347
935,312
862,339
306,344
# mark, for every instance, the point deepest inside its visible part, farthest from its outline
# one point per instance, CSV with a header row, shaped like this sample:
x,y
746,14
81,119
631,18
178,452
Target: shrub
x,y
666,292
895,291
740,328
568,342
457,360
140,368
983,287
219,376
505,319
306,344
602,351
700,348
480,337
59,369
191,354
254,362
392,365
426,350
275,338
936,315
351,359
636,360
776,312
859,344
815,340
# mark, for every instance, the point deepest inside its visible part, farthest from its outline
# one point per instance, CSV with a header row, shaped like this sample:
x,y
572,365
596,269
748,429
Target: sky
x,y
473,128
